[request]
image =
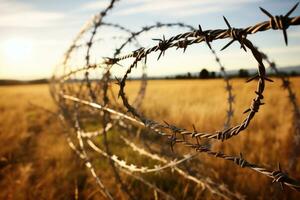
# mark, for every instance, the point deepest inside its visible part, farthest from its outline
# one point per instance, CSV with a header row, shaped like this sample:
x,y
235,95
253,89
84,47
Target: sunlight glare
x,y
17,50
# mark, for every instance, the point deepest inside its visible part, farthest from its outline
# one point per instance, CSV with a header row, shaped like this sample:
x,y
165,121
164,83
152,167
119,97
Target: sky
x,y
34,34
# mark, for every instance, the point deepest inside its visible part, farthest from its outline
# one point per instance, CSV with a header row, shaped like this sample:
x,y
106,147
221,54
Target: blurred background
x,y
36,161
35,34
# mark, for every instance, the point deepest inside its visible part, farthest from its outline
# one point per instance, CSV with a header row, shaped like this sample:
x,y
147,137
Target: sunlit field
x,y
37,163
149,100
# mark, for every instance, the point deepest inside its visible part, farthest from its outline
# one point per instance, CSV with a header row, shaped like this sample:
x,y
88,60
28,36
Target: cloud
x,y
29,19
96,5
294,34
17,14
283,50
180,8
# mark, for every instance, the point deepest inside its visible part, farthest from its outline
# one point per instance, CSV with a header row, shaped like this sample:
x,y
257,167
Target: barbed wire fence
x,y
286,85
82,99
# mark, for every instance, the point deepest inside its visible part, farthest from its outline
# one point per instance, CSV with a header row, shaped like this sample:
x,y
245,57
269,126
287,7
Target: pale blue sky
x,y
34,34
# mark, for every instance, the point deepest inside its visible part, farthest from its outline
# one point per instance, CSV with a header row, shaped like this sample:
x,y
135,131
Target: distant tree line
x,y
243,73
205,74
19,82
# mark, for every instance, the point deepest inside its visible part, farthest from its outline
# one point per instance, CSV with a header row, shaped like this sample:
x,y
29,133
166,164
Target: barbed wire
x,y
228,88
286,85
112,158
83,155
204,182
201,148
90,167
141,169
81,97
176,41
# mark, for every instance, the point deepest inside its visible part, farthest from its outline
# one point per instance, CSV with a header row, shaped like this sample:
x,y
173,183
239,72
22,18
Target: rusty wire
x,y
103,132
286,85
129,115
89,165
204,182
208,36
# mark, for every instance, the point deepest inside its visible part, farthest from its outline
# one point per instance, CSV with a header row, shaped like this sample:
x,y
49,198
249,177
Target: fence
x,y
78,95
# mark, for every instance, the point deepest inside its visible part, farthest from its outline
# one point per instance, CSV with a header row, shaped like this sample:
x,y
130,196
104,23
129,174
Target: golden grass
x,y
36,162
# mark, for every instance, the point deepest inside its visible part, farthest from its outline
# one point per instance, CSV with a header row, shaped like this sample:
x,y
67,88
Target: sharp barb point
x,y
285,37
266,12
227,45
292,10
227,23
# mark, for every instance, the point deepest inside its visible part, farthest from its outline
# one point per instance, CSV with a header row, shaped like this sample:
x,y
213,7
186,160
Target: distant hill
x,y
232,73
19,82
295,70
287,70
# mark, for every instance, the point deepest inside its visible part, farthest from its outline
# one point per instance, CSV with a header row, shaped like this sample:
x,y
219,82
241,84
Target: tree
x,y
243,73
294,73
204,74
189,75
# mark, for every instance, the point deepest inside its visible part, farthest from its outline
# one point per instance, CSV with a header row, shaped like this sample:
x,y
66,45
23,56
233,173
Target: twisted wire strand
x,y
205,182
105,121
140,169
159,25
83,155
278,175
133,35
286,85
105,100
106,73
97,23
90,167
92,92
145,29
80,153
228,88
174,134
219,135
128,40
139,98
129,169
88,162
210,35
141,93
217,189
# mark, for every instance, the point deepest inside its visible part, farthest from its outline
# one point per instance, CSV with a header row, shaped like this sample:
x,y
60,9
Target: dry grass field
x,y
37,163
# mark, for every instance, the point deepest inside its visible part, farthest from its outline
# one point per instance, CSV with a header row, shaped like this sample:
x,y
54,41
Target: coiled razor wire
x,y
145,29
122,163
129,117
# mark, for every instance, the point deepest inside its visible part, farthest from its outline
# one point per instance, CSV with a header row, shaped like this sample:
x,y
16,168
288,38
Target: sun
x,y
16,50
